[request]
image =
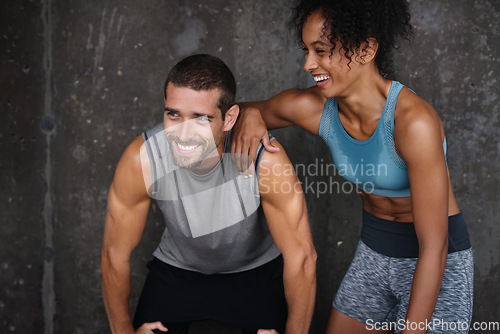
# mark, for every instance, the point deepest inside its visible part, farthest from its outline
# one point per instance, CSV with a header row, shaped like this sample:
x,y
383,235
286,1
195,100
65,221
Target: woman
x,y
413,268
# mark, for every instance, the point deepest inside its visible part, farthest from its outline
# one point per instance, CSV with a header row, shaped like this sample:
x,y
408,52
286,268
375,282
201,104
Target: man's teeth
x,y
321,78
187,148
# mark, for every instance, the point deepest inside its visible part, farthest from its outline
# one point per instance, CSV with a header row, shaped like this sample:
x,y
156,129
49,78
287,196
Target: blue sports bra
x,y
373,165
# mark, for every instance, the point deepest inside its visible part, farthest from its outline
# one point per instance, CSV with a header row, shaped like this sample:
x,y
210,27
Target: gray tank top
x,y
214,222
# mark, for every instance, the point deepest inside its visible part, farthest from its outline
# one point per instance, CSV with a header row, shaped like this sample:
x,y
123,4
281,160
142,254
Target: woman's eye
x,y
320,51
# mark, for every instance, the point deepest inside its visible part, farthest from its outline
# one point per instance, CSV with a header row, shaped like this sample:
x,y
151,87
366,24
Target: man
x,y
219,257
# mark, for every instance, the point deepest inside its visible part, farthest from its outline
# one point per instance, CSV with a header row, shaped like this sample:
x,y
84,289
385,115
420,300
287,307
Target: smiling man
x,y
195,137
235,249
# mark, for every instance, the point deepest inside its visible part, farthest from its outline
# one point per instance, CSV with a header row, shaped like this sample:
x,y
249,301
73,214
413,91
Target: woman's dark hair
x,y
352,22
204,72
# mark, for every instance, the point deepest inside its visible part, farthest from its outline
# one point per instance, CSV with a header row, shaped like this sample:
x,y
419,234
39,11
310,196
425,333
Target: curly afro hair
x,y
352,22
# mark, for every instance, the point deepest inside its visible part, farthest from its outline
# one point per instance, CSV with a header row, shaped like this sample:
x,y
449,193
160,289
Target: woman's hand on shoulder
x,y
301,107
248,132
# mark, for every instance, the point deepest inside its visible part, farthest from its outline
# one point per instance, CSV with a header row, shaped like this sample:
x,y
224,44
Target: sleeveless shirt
x,y
214,222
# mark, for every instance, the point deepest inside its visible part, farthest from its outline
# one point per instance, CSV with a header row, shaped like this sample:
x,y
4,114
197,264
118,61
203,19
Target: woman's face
x,y
330,68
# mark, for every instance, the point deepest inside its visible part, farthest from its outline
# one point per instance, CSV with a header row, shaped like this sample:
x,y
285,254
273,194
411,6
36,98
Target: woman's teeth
x,y
320,78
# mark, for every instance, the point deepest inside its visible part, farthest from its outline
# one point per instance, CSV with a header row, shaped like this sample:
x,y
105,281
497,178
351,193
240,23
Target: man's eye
x,y
202,119
320,51
172,115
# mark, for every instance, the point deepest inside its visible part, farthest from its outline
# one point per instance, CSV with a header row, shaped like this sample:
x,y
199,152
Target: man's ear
x,y
231,117
368,51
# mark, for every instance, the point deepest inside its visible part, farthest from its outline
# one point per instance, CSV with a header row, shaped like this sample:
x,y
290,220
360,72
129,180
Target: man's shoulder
x,y
275,165
133,156
153,131
129,179
270,158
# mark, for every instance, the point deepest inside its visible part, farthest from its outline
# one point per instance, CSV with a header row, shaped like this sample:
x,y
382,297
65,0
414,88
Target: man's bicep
x,y
288,227
282,200
125,220
128,202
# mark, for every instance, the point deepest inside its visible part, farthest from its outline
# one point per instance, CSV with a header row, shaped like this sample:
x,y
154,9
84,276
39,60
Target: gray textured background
x,y
79,79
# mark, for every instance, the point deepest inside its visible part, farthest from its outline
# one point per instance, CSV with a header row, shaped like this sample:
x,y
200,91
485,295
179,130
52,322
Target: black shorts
x,y
251,299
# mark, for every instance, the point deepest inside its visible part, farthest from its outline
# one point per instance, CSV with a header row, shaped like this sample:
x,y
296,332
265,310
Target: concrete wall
x,y
80,79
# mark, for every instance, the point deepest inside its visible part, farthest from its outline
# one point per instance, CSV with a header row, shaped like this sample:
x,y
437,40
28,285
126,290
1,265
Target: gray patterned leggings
x,y
376,291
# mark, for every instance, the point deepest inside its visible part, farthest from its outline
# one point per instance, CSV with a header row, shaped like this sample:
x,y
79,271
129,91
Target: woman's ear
x,y
368,51
231,117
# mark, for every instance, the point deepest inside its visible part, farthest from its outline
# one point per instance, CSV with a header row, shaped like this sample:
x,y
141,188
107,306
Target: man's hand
x,y
267,331
148,327
248,132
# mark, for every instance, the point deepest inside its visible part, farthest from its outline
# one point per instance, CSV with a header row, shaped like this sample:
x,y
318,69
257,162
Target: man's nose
x,y
184,130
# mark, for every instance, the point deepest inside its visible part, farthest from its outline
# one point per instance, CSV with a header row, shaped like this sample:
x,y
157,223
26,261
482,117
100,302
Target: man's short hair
x,y
204,72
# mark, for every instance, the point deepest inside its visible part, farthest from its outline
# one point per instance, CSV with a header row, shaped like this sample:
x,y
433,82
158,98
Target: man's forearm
x,y
299,277
116,293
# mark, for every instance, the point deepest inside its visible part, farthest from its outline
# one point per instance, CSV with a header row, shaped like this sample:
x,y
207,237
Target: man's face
x,y
193,126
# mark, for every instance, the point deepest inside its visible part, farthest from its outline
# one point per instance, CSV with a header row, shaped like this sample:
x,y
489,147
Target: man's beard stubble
x,y
191,162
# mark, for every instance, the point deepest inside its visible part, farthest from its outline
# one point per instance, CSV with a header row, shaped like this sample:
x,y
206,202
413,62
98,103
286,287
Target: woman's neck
x,y
366,99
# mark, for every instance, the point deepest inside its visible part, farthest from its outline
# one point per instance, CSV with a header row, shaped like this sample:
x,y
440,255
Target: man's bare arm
x,y
285,210
128,205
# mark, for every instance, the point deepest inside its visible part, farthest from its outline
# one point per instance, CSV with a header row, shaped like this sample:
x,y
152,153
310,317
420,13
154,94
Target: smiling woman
x,y
413,232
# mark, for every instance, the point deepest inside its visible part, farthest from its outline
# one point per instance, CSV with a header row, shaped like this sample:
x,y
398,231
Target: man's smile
x,y
186,149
